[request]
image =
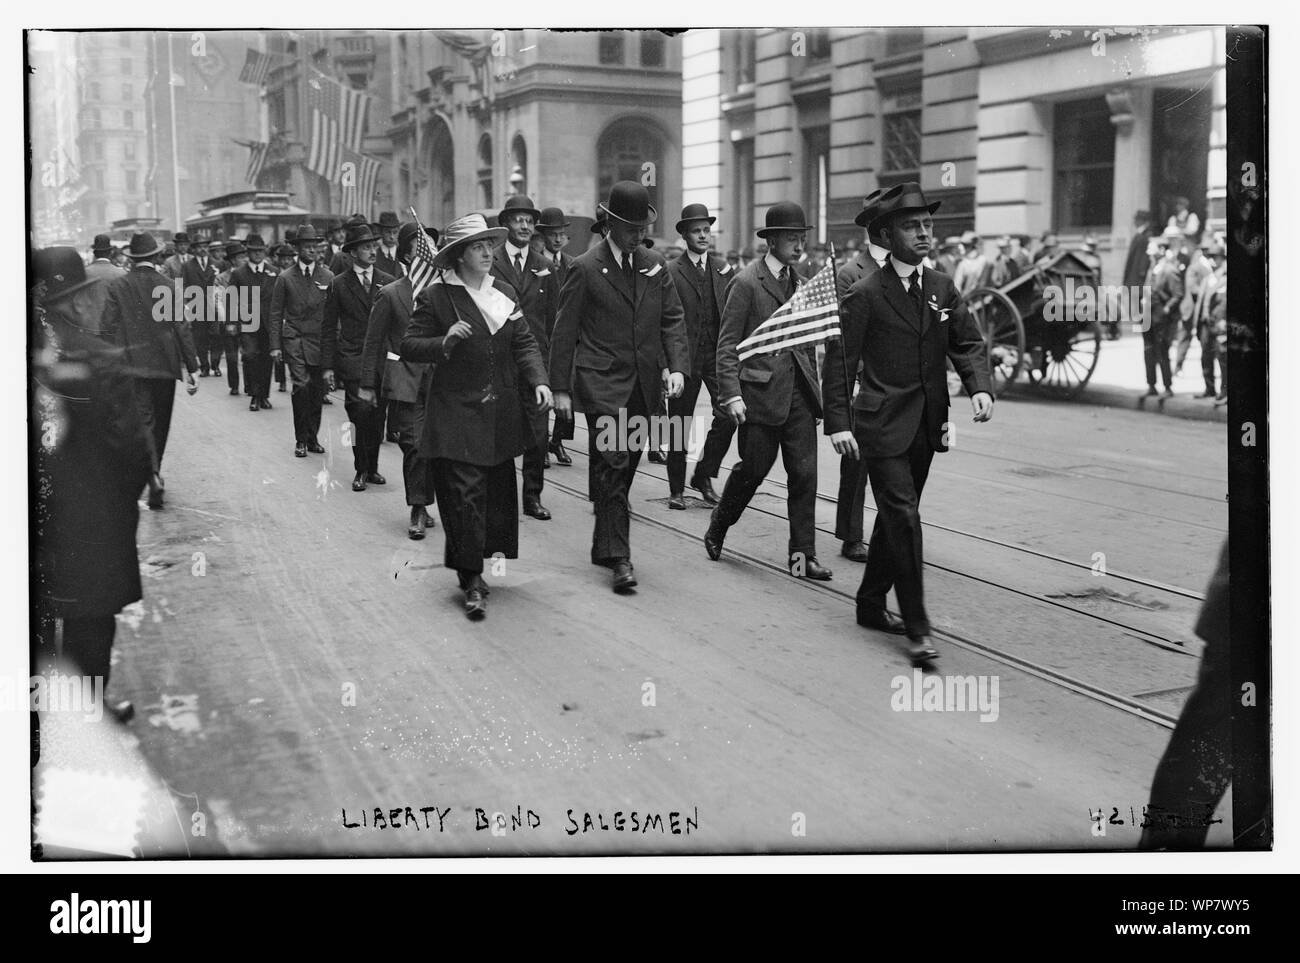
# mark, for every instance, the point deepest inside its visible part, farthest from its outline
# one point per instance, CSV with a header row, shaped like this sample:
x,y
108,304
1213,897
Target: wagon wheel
x,y
1066,359
1004,333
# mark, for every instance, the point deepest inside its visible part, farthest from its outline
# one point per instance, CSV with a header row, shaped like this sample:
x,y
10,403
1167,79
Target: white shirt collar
x,y
362,269
513,252
698,259
306,268
876,252
774,265
905,270
618,251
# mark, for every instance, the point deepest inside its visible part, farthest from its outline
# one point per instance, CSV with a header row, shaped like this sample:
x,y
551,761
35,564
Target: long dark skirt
x,y
479,507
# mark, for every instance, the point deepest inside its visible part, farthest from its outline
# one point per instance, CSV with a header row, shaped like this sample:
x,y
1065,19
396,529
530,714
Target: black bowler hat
x,y
62,271
358,234
630,202
102,246
906,196
180,237
870,205
254,242
598,225
284,250
143,245
290,235
784,216
518,204
694,212
387,220
306,234
552,219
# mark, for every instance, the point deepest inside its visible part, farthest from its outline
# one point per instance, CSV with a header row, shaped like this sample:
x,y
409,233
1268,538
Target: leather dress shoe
x,y
703,485
535,509
657,457
264,404
475,603
300,450
714,537
678,501
561,455
854,551
254,406
415,530
881,621
205,373
234,391
282,388
428,519
315,448
546,460
375,478
359,482
216,372
921,650
156,489
811,569
624,577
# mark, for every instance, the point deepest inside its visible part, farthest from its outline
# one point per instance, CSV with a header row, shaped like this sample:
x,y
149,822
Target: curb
x,y
1114,396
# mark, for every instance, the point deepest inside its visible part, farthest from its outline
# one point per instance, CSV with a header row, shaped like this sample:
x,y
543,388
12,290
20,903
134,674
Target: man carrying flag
x,y
767,379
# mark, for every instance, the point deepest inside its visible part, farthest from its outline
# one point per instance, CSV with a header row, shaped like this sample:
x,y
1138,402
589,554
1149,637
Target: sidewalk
x,y
1119,381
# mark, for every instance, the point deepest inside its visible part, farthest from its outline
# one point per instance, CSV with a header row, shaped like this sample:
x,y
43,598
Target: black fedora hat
x,y
870,205
180,237
518,204
630,202
143,245
234,249
358,234
254,242
61,269
284,250
102,245
552,219
783,216
694,212
906,196
388,219
306,234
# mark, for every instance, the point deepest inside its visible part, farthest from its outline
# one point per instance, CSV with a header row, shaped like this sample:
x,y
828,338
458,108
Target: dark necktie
x,y
519,265
700,264
627,271
787,282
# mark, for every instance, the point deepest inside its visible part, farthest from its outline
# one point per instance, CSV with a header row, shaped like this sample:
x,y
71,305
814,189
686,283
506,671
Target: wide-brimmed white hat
x,y
463,232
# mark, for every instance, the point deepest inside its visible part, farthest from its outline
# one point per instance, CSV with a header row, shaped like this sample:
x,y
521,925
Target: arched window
x,y
439,161
630,150
518,165
485,192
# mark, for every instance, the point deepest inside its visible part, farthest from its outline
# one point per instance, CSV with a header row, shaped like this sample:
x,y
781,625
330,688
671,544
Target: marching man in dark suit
x,y
352,295
259,276
200,274
386,258
701,278
403,384
774,398
853,471
619,315
140,315
297,314
529,273
554,230
900,324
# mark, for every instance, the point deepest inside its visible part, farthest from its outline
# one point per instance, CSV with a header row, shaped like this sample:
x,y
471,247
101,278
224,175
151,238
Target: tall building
x,y
56,183
1015,130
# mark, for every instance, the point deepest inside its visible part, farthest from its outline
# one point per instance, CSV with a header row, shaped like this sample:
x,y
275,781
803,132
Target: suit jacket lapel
x,y
929,293
897,296
770,284
613,271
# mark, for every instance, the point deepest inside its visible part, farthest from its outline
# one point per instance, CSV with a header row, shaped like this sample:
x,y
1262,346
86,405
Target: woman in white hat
x,y
469,324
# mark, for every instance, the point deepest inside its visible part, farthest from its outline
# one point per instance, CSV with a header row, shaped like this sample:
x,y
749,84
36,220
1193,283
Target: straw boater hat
x,y
460,234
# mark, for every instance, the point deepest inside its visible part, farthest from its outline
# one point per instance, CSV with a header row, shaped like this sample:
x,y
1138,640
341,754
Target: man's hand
x,y
845,443
563,405
457,332
367,395
736,409
676,384
327,376
277,354
982,403
190,384
542,395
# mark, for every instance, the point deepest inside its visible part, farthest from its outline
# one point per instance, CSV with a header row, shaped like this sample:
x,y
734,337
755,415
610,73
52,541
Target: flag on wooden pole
x,y
811,316
421,269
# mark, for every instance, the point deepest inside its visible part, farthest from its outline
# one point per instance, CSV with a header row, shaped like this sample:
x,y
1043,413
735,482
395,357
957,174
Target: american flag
x,y
257,65
465,45
359,182
256,158
811,316
338,121
421,269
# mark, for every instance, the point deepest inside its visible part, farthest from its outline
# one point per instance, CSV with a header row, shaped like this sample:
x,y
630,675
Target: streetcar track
x,y
1087,690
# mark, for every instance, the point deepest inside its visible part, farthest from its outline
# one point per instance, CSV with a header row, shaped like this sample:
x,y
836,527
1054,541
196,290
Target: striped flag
x,y
338,121
257,151
421,269
359,180
257,65
811,316
465,45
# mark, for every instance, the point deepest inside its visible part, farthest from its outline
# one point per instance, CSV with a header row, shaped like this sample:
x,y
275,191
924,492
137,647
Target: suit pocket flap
x,y
869,400
760,375
594,362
